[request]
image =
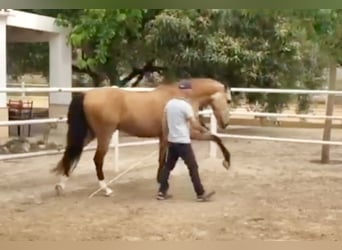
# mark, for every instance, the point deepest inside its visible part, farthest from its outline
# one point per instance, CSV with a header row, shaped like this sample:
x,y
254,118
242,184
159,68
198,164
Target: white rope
x,y
125,171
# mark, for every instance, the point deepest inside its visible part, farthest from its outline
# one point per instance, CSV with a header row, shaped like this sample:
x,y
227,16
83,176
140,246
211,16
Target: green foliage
x,y
103,33
27,57
323,29
244,48
110,39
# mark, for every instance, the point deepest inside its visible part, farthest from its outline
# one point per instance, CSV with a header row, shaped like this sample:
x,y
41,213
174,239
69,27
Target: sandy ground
x,y
274,191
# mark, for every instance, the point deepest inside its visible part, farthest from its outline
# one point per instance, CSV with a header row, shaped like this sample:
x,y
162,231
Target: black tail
x,y
77,132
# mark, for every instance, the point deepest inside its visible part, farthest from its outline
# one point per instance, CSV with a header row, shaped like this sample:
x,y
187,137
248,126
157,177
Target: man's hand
x,y
197,125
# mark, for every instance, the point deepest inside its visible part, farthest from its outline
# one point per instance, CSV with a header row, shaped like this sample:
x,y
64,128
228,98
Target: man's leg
x,y
187,154
170,163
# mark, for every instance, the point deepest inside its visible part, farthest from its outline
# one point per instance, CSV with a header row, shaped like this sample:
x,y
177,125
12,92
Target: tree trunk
x,y
329,112
113,76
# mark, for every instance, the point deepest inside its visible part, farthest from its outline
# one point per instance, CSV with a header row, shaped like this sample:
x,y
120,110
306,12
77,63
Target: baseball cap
x,y
184,84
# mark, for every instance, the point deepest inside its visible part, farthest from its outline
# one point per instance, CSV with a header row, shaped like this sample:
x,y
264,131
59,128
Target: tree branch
x,y
96,76
134,73
148,68
140,77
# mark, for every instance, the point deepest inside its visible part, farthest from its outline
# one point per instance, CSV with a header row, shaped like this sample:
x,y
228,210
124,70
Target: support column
x,y
60,74
3,74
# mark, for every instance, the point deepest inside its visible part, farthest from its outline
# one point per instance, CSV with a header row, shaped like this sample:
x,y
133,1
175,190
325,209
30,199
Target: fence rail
x,y
213,125
204,112
139,89
287,91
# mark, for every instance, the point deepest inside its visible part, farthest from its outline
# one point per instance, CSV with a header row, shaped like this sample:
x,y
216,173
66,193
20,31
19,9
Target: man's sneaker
x,y
162,196
205,197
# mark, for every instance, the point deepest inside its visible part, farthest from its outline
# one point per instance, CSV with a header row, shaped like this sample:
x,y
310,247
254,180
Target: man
x,y
178,115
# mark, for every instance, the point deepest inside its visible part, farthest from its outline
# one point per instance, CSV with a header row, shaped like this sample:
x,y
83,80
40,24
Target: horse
x,y
99,112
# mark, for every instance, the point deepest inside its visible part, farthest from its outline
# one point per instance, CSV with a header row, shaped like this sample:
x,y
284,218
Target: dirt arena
x,y
274,191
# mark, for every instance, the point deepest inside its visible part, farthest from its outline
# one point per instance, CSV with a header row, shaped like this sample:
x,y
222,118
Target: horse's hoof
x,y
59,189
108,193
226,164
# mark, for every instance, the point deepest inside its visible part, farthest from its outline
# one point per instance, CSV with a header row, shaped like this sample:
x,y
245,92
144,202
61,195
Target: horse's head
x,y
220,104
206,91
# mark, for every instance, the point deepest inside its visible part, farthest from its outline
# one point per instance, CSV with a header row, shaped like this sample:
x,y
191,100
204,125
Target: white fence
x,y
213,125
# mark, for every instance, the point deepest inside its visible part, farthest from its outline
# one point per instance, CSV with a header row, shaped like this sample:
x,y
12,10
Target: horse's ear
x,y
228,92
226,87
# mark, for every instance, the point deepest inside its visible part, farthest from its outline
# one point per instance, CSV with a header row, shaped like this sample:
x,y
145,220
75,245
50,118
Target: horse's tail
x,y
78,128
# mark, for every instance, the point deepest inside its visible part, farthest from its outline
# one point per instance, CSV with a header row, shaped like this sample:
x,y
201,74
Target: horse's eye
x,y
229,101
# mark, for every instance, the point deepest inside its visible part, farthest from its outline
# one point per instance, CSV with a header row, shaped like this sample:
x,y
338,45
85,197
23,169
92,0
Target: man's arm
x,y
165,128
193,121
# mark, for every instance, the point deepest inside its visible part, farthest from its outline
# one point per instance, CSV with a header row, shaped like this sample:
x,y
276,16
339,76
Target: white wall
x,y
60,68
3,61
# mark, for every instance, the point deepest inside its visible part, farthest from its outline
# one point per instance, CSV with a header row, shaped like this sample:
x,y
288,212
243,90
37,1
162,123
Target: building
x,y
22,27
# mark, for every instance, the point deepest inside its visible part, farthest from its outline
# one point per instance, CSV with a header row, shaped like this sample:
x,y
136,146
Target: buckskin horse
x,y
99,112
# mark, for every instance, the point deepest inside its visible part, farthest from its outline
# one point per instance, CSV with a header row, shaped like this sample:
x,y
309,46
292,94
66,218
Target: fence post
x,y
213,130
23,94
115,140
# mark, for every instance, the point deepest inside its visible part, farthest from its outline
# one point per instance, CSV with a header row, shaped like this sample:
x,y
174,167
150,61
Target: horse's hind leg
x,y
103,142
60,186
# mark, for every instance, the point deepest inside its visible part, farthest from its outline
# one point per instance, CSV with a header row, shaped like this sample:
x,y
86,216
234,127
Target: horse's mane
x,y
202,81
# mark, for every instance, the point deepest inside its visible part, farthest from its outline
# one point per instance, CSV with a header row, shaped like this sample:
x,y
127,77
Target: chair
x,y
20,110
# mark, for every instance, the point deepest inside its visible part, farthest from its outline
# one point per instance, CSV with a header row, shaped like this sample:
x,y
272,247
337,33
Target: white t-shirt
x,y
177,113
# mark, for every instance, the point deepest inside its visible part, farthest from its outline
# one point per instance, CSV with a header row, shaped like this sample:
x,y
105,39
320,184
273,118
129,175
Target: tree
x,y
105,41
110,40
244,48
323,27
27,57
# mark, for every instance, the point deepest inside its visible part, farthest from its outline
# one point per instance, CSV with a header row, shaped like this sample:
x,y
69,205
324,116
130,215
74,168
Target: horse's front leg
x,y
201,119
196,135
